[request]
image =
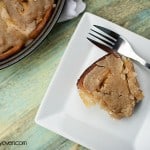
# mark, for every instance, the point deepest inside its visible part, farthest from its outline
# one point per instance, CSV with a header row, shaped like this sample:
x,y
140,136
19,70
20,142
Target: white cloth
x,y
72,9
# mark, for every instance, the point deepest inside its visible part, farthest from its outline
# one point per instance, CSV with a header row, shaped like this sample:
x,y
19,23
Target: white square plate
x,y
63,112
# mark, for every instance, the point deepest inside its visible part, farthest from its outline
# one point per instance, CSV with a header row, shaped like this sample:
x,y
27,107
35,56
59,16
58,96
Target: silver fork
x,y
111,41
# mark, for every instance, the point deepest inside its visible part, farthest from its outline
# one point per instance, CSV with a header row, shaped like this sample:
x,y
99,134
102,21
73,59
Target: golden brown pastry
x,y
20,21
111,82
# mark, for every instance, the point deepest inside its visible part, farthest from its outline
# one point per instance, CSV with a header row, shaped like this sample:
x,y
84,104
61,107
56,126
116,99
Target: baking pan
x,y
37,41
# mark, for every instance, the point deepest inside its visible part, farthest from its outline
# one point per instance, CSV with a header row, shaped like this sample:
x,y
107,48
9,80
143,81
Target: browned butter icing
x,y
111,82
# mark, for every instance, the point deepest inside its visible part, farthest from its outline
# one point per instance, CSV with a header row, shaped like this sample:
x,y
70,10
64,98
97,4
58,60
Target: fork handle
x,y
144,63
147,65
140,60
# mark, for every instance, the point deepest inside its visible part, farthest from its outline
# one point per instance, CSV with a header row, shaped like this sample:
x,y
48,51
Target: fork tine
x,y
107,31
102,46
108,43
106,37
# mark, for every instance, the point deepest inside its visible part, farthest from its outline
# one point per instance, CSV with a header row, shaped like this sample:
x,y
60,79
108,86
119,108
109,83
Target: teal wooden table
x,y
23,85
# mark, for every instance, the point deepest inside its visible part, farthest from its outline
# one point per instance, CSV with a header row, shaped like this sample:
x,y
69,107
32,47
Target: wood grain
x,y
23,85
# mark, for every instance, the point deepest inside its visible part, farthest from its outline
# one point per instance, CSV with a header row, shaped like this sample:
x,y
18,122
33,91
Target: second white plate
x,y
63,112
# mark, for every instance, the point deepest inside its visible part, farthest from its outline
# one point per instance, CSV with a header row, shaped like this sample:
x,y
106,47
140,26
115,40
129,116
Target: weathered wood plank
x,y
23,85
